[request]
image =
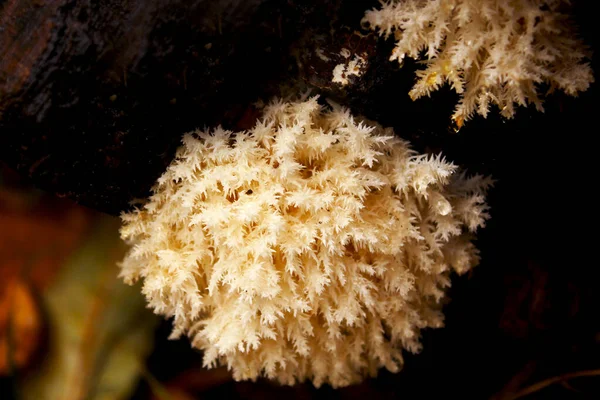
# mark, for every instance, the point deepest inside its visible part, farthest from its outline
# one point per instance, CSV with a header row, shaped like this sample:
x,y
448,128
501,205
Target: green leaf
x,y
99,329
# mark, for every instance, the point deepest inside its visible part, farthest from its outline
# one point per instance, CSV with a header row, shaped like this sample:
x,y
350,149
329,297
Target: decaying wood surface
x,y
94,96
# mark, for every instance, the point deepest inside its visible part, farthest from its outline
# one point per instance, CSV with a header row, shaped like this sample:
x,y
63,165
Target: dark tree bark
x,y
94,96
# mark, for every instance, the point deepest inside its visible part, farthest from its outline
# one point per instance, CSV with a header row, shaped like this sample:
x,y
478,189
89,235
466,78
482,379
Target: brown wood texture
x,y
94,96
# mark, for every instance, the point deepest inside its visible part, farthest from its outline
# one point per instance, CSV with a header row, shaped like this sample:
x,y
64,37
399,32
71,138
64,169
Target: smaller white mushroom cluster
x,y
489,51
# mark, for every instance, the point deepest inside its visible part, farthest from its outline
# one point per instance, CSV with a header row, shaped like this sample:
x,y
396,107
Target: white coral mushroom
x,y
312,247
489,51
